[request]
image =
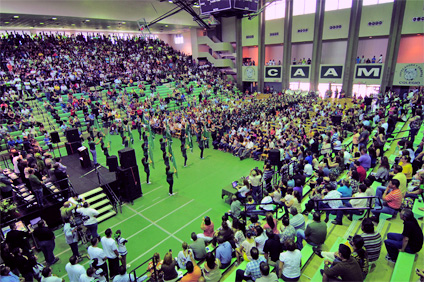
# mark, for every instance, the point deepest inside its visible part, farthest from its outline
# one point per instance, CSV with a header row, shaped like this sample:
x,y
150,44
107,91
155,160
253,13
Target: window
x,y
179,39
275,10
374,2
301,7
331,5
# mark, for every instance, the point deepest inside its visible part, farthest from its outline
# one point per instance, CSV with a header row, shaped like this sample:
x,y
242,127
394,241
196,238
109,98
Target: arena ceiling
x,y
113,15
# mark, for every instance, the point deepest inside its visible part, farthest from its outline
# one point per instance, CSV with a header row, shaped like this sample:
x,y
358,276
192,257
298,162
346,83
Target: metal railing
x,y
153,277
367,209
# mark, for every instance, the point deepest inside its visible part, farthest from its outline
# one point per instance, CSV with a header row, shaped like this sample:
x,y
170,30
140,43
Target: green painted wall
x,y
249,28
376,13
336,18
274,26
413,9
303,22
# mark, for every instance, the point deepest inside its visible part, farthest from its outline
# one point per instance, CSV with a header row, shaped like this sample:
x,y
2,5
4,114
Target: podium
x,y
84,157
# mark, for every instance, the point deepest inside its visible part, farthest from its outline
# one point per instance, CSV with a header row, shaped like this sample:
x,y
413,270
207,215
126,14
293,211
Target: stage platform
x,y
86,179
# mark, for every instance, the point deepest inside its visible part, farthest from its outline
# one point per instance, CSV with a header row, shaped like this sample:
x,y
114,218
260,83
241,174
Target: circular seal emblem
x,y
410,73
249,73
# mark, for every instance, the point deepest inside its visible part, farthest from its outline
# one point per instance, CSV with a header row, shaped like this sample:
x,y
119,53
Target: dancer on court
x,y
145,162
170,179
184,152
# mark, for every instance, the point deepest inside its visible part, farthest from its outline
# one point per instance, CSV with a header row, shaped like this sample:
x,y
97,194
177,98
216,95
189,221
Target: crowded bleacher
x,y
329,170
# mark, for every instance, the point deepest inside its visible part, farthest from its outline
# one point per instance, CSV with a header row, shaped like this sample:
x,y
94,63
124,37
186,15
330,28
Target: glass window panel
x,y
331,5
298,7
385,1
276,10
370,2
345,4
310,6
304,86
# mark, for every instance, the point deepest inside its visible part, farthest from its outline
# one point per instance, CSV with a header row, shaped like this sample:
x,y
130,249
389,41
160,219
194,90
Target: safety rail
x,y
114,199
368,208
133,274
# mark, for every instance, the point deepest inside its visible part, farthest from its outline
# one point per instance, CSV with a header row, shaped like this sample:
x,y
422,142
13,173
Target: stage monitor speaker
x,y
54,136
127,158
72,147
112,163
337,120
72,135
274,156
129,181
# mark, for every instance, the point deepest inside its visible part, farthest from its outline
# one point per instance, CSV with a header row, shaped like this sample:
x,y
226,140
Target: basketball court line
x,y
152,205
178,230
147,193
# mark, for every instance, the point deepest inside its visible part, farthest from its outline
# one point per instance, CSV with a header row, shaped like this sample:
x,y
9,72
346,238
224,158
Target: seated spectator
x,y
168,268
382,173
235,207
392,200
260,239
252,271
266,276
297,220
271,223
244,251
273,247
198,247
417,187
399,175
314,234
410,241
361,171
372,240
289,268
223,252
346,267
345,190
193,271
353,203
243,190
208,229
328,194
287,232
211,269
183,256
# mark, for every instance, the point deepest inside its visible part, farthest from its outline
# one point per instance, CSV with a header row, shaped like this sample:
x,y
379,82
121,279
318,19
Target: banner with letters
x,y
300,72
331,73
408,75
368,74
250,73
273,74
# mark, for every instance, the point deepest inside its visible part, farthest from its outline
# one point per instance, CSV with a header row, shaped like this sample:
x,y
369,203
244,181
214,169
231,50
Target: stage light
x,y
16,17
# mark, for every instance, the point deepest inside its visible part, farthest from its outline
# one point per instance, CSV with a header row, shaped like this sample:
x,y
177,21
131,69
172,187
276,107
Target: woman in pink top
x,y
208,229
271,223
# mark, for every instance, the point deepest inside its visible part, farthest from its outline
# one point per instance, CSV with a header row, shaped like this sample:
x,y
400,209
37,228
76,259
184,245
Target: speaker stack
x,y
127,174
74,141
274,157
54,136
112,163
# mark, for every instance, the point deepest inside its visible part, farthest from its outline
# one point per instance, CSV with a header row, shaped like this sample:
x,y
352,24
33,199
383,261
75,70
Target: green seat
x,y
334,248
403,267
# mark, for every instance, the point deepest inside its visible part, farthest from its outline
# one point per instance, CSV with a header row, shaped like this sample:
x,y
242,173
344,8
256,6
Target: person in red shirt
x,y
392,200
193,271
361,171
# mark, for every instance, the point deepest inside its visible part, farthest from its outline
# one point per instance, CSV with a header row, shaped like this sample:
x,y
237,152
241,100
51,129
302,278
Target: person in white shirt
x,y
88,276
265,201
91,222
74,269
346,157
308,170
111,250
97,254
48,277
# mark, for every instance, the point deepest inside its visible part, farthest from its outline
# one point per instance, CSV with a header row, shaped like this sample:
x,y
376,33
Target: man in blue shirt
x,y
223,252
252,271
7,275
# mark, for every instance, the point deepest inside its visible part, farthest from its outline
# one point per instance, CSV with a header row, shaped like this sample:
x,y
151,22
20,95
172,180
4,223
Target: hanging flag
x,y
189,137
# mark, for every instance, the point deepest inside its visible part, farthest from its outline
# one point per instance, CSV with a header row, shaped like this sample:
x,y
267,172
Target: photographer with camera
x,y
90,220
71,236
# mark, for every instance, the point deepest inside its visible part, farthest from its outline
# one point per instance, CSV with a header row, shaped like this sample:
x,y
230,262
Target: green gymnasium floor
x,y
157,222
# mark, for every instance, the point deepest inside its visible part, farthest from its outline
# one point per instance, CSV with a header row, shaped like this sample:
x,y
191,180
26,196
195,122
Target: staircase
x,y
100,202
223,53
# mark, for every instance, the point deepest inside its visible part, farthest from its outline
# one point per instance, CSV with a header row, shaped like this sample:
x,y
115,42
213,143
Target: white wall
x,y
333,52
228,26
370,47
185,47
301,50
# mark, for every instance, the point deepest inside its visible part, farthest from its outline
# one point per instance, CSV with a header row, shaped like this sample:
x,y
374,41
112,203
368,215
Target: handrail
x,y
368,208
135,277
116,201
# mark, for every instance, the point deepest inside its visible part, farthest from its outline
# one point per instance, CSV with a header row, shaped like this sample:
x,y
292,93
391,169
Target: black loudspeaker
x,y
72,135
127,158
129,181
112,163
337,120
72,148
274,156
54,136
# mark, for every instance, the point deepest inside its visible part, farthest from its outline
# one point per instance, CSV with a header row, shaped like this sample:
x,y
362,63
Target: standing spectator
x,y
122,249
97,254
46,242
111,250
48,276
37,187
252,271
272,248
71,237
88,276
410,241
290,263
74,269
345,267
315,233
91,223
17,239
255,182
198,246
